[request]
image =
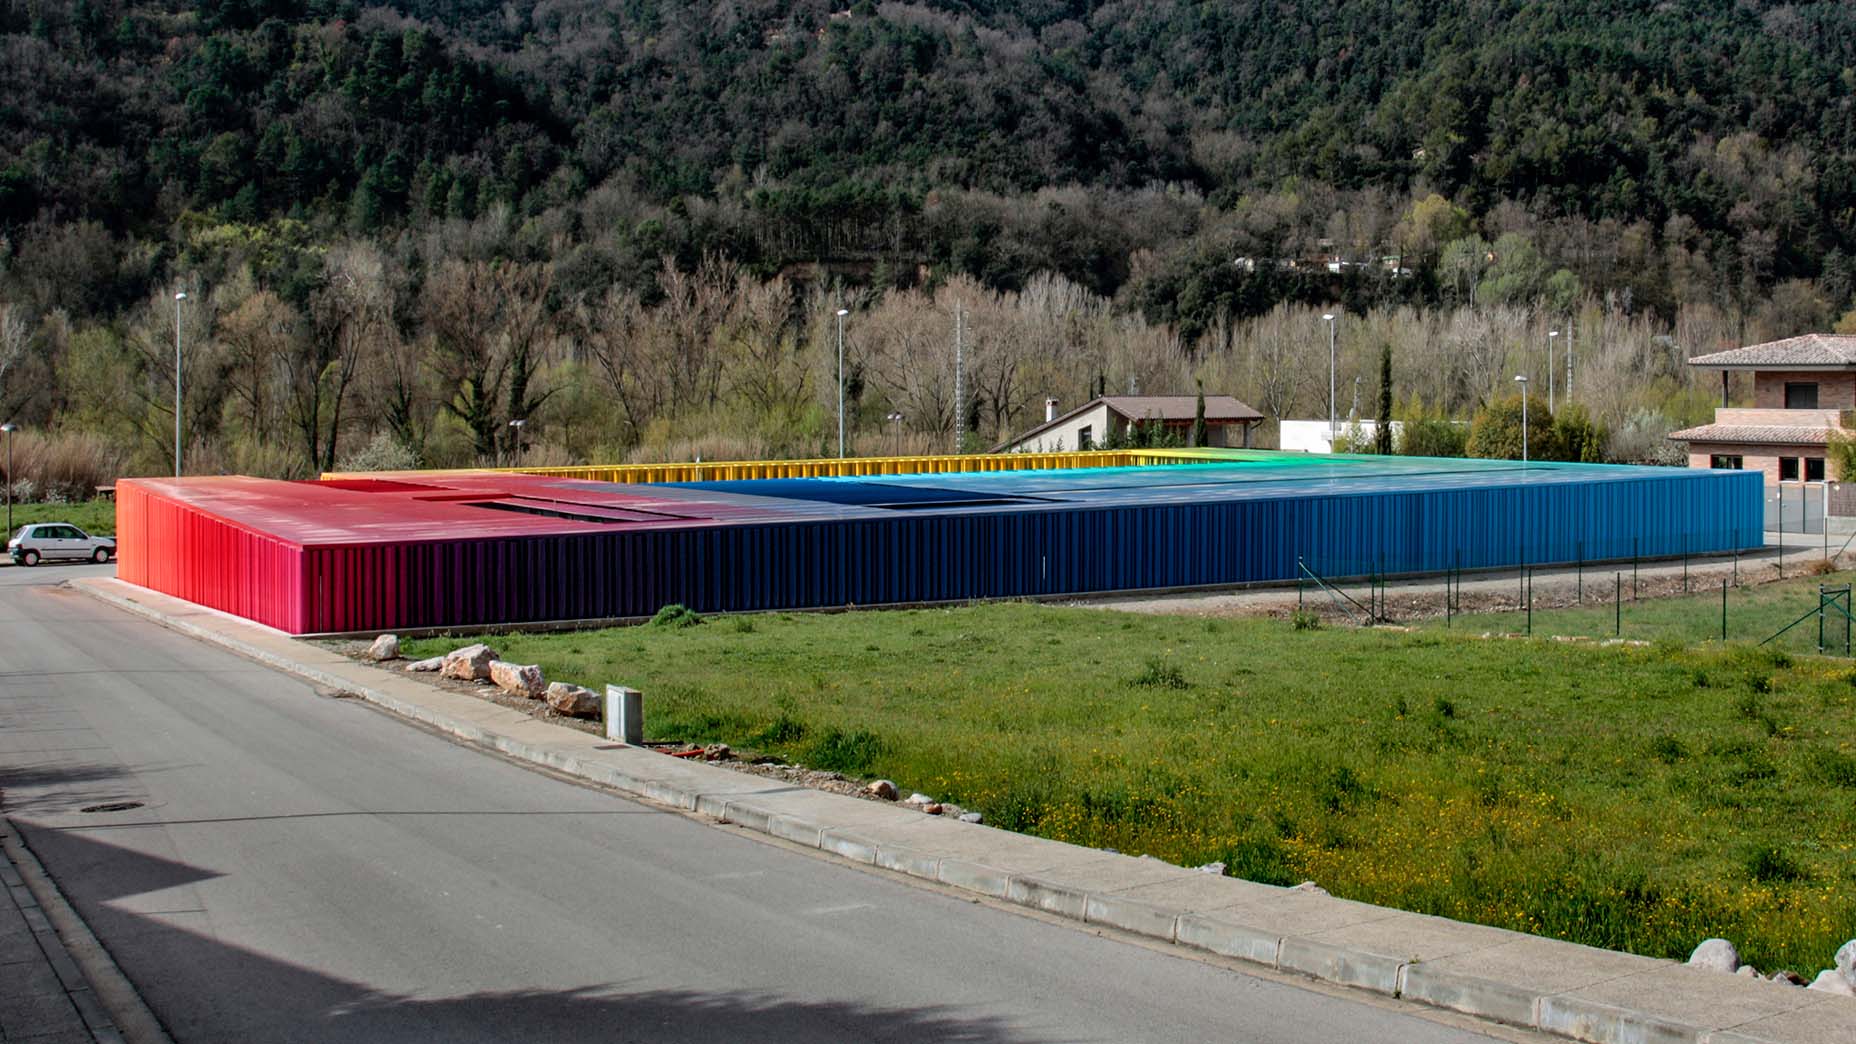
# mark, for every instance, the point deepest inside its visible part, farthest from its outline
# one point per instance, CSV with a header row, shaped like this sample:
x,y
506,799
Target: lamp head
x,y
842,312
181,295
1520,379
9,427
1329,317
1553,333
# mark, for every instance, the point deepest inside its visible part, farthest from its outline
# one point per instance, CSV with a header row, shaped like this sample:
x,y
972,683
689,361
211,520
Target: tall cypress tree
x,y
1382,433
1197,435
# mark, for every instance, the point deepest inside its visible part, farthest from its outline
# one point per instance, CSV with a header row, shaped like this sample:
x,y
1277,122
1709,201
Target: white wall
x,y
1063,438
1311,436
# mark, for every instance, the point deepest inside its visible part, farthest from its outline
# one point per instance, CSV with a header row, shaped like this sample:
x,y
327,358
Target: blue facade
x,y
818,543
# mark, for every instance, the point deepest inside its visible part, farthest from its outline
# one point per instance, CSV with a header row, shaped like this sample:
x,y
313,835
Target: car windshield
x,y
20,534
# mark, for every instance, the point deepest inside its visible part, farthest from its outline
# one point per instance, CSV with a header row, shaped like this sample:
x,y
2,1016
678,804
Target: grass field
x,y
94,516
1639,798
1754,614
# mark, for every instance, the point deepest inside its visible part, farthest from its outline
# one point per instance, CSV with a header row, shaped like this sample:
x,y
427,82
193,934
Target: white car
x,y
50,541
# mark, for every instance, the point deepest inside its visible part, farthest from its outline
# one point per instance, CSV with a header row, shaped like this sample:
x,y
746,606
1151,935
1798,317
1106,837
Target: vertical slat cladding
x,y
179,550
919,556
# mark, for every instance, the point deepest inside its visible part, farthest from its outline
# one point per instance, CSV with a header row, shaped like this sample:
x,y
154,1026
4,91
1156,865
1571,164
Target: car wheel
x,y
28,558
100,555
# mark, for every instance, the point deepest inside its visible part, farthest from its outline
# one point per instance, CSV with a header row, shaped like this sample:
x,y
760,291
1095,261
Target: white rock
x,y
1846,962
1310,886
385,647
1747,971
919,798
471,663
574,700
1211,868
881,788
1831,981
426,665
1715,955
972,817
518,679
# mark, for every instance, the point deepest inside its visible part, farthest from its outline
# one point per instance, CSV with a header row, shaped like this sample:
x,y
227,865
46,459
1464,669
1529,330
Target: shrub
x,y
1264,860
382,453
744,625
1667,749
782,730
851,753
1769,863
675,615
1304,620
1833,768
1159,674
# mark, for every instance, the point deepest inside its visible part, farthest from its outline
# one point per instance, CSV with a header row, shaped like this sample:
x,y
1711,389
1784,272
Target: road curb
x,y
1223,933
107,1002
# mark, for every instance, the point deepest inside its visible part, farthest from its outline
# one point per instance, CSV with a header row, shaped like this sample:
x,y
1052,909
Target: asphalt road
x,y
304,868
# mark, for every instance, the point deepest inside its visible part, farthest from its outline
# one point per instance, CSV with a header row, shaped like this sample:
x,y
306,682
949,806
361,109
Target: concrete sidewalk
x,y
44,997
1562,988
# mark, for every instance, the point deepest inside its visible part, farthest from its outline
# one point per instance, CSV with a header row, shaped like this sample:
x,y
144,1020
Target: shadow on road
x,y
209,991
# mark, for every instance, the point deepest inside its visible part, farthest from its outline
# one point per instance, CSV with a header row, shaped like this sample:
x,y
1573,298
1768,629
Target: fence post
x,y
1820,619
1723,610
1685,565
1298,583
1617,605
1633,569
1530,603
1581,596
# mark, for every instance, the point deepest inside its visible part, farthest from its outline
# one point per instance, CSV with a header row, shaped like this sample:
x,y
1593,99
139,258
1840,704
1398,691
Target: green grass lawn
x,y
1753,614
1640,798
93,516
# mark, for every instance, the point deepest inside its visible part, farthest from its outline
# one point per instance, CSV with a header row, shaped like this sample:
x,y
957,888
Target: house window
x,y
1788,469
1085,438
1814,469
1801,395
1722,461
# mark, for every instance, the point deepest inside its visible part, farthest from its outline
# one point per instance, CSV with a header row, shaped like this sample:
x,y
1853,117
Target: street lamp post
x,y
896,419
1333,430
517,425
9,428
178,298
1551,334
842,312
1522,381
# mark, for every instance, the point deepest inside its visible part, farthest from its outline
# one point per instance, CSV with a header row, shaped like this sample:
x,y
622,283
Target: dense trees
x,y
628,224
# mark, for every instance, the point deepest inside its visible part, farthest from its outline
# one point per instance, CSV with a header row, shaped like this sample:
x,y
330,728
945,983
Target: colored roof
x,y
1836,350
1219,409
1763,434
402,507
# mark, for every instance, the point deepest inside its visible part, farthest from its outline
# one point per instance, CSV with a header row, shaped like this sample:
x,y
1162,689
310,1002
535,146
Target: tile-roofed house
x,y
1097,422
1801,388
1808,351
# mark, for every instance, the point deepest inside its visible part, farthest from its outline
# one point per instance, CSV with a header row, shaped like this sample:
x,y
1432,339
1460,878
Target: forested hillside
x,y
670,198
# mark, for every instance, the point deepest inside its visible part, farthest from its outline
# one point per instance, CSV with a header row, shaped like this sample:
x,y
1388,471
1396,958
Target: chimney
x,y
1050,410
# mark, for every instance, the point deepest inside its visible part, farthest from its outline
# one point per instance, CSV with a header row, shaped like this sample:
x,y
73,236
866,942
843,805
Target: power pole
x,y
960,386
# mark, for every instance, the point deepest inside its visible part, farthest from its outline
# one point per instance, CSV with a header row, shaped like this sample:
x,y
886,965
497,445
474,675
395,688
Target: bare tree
x,y
487,320
15,339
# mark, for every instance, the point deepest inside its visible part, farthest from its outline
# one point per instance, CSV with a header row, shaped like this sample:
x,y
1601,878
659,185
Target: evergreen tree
x,y
1382,432
1196,437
